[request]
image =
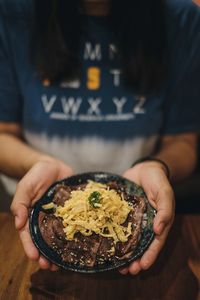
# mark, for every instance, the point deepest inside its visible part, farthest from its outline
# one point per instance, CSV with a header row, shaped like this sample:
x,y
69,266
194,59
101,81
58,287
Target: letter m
x,y
92,53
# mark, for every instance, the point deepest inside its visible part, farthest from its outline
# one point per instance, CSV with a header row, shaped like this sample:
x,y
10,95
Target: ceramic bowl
x,y
145,238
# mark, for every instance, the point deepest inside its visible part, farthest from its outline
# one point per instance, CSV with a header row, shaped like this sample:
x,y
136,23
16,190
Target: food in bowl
x,y
92,223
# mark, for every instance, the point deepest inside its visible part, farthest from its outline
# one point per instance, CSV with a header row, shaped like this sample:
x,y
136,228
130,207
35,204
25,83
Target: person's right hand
x,y
30,189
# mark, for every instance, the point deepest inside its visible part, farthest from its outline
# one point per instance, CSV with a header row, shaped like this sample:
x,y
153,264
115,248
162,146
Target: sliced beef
x,y
58,229
124,250
83,250
62,193
106,250
113,185
46,228
51,229
94,249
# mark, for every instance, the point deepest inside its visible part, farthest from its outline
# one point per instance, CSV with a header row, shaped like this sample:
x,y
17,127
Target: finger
x,y
165,210
21,215
54,268
44,263
131,175
123,271
20,204
65,171
135,267
29,248
152,252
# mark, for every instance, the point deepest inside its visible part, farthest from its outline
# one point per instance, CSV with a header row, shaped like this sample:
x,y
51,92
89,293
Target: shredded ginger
x,y
105,218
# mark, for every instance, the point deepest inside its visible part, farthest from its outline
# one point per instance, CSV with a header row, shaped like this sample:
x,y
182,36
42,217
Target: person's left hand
x,y
151,176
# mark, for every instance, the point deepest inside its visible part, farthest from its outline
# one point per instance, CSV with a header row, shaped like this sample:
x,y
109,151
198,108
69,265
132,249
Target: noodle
x,y
96,209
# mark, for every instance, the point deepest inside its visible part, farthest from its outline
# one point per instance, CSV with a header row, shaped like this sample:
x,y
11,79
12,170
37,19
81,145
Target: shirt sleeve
x,y
182,99
10,98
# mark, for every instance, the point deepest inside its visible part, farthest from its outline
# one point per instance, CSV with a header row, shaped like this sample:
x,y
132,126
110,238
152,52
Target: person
x,y
99,85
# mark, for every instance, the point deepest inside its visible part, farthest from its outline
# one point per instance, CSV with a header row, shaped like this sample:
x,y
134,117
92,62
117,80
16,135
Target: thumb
x,y
20,213
64,171
165,210
19,206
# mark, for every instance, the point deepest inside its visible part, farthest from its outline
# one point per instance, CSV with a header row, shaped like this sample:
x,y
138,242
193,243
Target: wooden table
x,y
170,278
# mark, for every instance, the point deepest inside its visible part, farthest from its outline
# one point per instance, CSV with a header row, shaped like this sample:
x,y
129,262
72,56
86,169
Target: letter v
x,y
48,104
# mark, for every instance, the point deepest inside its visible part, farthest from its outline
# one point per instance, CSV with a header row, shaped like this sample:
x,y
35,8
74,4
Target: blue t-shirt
x,y
97,123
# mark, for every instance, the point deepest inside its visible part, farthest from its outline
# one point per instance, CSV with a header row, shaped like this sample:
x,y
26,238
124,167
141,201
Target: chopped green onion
x,y
94,199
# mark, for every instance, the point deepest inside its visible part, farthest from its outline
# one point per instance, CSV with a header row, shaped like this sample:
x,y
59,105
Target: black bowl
x,y
145,239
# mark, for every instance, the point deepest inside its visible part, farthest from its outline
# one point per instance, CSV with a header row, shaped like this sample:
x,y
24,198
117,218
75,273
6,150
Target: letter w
x,y
71,105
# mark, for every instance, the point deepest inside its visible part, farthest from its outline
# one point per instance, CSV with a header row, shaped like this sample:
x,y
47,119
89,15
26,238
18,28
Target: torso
x,y
95,123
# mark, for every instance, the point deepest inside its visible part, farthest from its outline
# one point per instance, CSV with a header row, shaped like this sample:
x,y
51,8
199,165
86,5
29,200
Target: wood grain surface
x,y
169,279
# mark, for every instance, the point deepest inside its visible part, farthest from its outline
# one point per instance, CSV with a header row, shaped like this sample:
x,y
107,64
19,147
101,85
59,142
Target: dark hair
x,y
139,27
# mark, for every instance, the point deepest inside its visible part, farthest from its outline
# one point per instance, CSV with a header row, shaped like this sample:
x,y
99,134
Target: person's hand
x,y
30,189
152,177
